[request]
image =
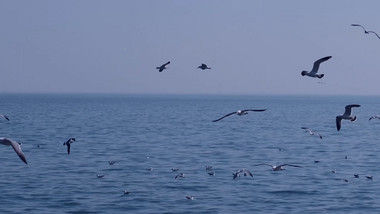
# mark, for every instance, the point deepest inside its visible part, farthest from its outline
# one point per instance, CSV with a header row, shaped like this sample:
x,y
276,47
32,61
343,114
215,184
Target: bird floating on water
x,y
68,144
16,146
163,67
314,70
203,67
311,132
239,112
279,167
366,31
346,115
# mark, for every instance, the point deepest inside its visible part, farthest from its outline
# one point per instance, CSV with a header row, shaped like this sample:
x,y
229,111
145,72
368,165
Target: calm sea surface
x,y
164,132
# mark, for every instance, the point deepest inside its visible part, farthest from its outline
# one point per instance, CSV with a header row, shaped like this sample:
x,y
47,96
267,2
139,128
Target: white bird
x,y
366,31
239,112
311,132
4,116
16,146
314,70
163,67
374,117
346,115
68,144
279,167
203,67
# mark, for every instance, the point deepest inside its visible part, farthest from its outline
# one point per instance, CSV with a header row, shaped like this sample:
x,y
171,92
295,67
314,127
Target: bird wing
x,y
374,33
317,63
348,109
357,25
166,64
338,122
224,116
5,116
289,165
18,150
255,110
68,148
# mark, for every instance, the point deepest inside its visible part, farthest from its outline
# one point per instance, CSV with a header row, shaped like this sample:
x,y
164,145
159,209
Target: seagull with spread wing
x,y
16,146
163,67
346,115
203,67
279,167
312,132
314,70
239,112
366,31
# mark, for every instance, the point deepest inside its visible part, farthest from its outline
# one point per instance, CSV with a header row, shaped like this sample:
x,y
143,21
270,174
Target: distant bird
x,y
68,144
208,168
374,117
4,116
245,172
16,146
279,167
369,177
316,161
342,179
163,67
366,31
345,116
314,70
203,67
211,173
149,169
111,162
190,197
99,176
175,169
180,175
126,192
239,112
356,175
333,171
311,132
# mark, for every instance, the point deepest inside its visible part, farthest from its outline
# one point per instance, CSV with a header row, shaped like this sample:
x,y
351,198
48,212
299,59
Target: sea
x,y
149,136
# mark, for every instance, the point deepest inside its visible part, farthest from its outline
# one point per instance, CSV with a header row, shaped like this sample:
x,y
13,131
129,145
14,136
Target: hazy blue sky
x,y
253,47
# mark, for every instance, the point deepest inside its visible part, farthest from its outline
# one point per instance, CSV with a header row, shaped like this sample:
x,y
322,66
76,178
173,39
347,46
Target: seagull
x,y
244,171
111,162
99,176
369,177
4,116
211,173
356,175
314,70
181,175
342,179
203,67
366,31
68,143
163,67
190,197
239,112
175,169
316,161
333,171
374,117
126,192
279,167
311,132
345,116
16,146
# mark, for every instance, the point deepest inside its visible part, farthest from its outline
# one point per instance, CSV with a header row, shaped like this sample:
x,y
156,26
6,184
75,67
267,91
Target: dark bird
x,y
16,146
4,116
345,116
190,197
374,117
211,173
163,67
366,31
311,132
68,144
203,67
314,70
99,176
111,162
239,112
180,175
175,169
126,192
369,177
245,172
356,175
279,167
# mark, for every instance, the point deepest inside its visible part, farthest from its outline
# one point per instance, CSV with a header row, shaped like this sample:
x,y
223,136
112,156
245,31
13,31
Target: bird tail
x,y
320,76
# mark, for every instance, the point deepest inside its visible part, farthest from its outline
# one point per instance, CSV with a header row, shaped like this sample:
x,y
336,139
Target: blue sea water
x,y
161,132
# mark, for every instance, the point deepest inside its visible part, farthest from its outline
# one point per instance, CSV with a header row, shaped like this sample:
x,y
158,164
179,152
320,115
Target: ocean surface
x,y
148,135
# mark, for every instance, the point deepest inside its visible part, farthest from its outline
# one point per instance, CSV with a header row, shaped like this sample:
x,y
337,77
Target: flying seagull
x,y
4,116
345,116
163,67
366,31
180,175
279,167
374,117
239,112
311,132
245,172
16,146
190,197
203,67
314,70
68,143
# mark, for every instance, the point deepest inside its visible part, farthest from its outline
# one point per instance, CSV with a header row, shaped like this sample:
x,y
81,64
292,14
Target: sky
x,y
254,47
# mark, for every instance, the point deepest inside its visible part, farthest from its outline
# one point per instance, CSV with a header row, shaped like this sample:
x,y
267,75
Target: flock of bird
x,y
347,115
